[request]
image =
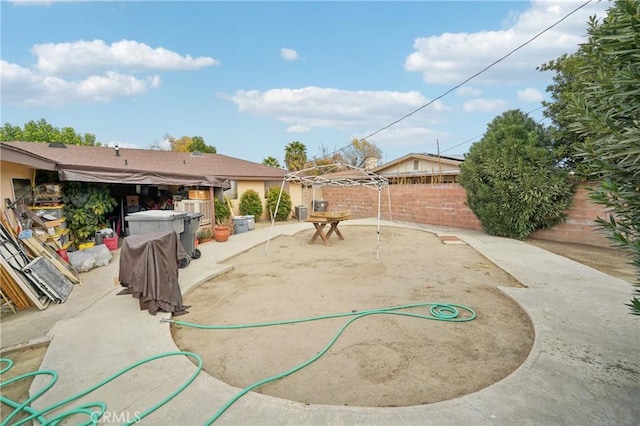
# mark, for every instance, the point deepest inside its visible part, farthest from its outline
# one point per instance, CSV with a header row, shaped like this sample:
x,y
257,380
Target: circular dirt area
x,y
379,360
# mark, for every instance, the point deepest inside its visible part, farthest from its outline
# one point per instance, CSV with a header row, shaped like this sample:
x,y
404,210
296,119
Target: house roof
x,y
142,166
449,160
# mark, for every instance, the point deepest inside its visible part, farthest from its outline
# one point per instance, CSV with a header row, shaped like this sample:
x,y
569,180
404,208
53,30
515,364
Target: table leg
x,y
319,233
334,228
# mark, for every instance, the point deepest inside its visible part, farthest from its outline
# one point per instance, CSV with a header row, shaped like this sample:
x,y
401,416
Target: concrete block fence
x,y
445,205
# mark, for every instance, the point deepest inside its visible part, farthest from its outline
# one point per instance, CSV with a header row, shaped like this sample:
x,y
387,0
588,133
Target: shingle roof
x,y
454,161
151,161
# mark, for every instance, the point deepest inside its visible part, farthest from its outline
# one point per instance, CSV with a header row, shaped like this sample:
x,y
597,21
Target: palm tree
x,y
271,162
295,156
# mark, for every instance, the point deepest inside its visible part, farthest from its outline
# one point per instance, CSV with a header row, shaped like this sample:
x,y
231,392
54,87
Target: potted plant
x,y
86,208
204,234
222,228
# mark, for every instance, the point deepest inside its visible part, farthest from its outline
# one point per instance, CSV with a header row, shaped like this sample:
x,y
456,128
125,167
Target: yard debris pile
x,y
34,269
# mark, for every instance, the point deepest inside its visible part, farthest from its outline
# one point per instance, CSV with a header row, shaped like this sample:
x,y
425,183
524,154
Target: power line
x,y
462,143
477,136
470,78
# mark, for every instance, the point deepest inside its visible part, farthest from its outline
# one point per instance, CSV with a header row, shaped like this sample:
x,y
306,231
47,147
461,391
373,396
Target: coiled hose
x,y
437,311
93,415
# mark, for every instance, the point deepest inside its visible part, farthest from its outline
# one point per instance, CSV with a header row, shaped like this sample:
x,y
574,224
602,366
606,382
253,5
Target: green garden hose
x,y
437,311
93,416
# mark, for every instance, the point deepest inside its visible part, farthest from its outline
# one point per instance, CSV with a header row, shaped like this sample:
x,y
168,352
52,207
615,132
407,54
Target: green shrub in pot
x,y
222,210
86,206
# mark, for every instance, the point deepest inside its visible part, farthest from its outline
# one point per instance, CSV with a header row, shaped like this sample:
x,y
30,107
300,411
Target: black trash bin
x,y
188,236
320,206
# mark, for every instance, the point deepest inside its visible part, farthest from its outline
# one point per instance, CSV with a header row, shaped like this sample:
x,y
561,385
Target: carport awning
x,y
142,177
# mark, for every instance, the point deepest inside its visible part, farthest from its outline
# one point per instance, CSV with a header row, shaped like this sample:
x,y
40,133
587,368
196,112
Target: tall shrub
x,y
284,207
606,113
512,180
251,204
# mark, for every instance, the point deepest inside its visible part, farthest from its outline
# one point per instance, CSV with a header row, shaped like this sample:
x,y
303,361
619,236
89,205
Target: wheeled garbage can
x,y
151,221
320,206
188,236
154,221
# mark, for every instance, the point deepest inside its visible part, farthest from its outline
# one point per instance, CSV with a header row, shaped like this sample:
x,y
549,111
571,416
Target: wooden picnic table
x,y
321,219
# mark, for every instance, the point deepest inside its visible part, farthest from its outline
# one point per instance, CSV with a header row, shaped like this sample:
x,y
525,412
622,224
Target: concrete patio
x,y
584,367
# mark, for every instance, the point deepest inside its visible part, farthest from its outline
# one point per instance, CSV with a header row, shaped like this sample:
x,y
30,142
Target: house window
x,y
22,191
274,184
232,192
416,165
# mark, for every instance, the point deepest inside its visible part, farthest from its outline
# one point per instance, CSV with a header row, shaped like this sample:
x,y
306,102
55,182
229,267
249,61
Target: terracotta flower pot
x,y
221,233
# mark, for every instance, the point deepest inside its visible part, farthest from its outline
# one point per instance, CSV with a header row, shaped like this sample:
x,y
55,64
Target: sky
x,y
252,77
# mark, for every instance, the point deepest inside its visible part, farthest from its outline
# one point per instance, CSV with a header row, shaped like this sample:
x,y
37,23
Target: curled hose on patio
x,y
437,311
84,409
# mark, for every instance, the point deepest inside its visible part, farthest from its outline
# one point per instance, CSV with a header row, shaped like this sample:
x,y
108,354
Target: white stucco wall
x,y
427,166
259,186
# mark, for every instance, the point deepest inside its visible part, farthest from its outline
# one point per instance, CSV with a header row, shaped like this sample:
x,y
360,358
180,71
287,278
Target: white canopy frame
x,y
338,174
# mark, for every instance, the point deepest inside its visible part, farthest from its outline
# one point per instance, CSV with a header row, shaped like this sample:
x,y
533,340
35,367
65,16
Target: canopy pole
x,y
313,199
322,177
389,201
273,218
378,230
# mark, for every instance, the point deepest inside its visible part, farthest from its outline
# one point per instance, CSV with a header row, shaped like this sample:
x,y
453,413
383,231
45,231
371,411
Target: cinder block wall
x,y
579,226
444,205
435,204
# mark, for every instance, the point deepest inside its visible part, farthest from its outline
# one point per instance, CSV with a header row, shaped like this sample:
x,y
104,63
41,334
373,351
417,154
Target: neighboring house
x,y
128,170
421,168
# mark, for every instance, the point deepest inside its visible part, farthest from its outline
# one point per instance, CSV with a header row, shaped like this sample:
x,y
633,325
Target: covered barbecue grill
x,y
149,271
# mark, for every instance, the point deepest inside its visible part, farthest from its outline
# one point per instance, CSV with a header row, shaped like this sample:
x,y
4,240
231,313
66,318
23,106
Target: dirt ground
x,y
380,360
611,261
369,349
25,361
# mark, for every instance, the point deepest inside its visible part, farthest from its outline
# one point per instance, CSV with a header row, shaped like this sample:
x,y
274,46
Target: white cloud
x,y
484,105
113,85
82,57
112,144
332,108
90,72
24,87
297,129
289,54
453,57
530,94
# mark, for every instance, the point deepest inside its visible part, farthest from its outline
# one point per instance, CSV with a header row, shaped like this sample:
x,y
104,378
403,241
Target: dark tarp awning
x,y
100,164
141,177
